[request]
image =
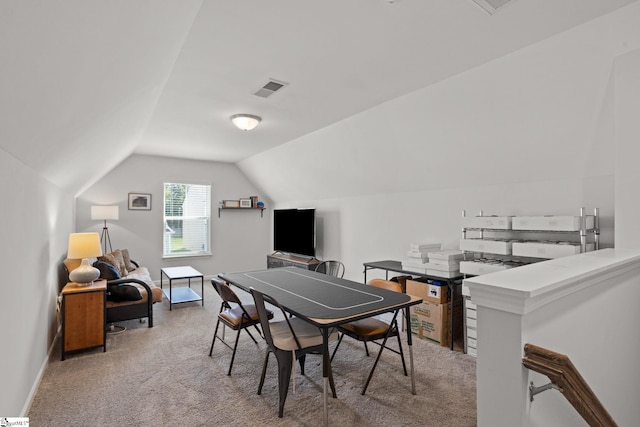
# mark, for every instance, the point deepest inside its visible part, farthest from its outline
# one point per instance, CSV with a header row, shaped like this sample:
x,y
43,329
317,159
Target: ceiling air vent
x,y
492,6
270,88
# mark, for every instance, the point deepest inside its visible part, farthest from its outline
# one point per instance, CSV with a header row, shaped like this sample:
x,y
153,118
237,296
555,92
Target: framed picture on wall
x,y
139,202
245,203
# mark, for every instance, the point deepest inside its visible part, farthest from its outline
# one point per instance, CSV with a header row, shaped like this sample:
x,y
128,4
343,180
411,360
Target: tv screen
x,y
294,231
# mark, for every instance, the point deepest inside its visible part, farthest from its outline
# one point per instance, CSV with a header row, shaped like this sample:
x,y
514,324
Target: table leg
x,y
451,285
325,373
202,289
410,344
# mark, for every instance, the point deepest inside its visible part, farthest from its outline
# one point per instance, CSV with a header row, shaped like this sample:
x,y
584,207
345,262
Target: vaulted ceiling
x,y
86,83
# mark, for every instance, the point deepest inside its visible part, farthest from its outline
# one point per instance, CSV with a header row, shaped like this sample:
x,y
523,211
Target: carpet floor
x,y
164,376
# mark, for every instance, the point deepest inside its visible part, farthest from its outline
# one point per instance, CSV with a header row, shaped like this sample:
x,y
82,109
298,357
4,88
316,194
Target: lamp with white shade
x,y
245,121
104,213
84,246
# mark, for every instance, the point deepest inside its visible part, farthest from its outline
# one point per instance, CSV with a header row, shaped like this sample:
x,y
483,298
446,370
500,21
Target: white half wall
x,y
582,306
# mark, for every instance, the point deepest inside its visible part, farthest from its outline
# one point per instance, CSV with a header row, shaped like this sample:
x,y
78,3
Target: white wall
x,y
373,228
239,239
36,220
529,133
627,131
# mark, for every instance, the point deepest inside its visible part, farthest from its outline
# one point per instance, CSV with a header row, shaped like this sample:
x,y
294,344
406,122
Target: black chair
x,y
372,329
235,315
332,268
286,338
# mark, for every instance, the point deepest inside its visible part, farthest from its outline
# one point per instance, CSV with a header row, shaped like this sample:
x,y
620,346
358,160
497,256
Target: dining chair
x,y
331,267
235,315
373,329
286,339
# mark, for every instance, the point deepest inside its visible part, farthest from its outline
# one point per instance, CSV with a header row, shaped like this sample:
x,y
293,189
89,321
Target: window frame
x,y
206,217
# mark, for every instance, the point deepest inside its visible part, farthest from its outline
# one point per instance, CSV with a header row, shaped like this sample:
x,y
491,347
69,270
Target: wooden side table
x,y
83,316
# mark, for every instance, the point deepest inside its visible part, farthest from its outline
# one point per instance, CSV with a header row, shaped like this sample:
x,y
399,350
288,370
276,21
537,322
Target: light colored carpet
x,y
163,376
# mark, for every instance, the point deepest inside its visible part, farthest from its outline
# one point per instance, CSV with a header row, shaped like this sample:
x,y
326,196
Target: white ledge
x,y
524,289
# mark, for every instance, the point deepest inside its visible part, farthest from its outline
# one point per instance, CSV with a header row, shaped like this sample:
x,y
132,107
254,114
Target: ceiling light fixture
x,y
245,121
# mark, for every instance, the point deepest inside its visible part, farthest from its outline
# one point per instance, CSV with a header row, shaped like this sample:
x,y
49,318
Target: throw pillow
x,y
127,260
120,262
123,292
107,271
109,259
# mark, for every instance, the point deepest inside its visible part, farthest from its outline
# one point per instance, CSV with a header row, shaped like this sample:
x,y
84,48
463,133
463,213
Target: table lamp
x,y
83,246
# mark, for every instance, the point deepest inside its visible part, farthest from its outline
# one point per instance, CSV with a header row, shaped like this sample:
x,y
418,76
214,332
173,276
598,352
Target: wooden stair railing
x,y
566,378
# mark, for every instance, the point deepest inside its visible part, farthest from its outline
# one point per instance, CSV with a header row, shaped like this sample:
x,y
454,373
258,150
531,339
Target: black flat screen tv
x,y
294,231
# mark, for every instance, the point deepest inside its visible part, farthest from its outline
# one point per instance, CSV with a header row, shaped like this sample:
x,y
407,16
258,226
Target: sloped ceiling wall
x,y
80,80
534,115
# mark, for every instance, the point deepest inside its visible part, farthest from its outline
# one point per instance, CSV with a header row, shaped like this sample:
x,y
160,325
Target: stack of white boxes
x,y
418,259
471,323
444,263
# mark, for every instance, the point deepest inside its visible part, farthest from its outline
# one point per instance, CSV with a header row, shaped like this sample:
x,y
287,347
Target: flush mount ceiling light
x,y
245,121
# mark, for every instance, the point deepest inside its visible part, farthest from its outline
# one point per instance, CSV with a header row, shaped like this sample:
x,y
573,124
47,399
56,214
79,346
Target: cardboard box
x,y
430,319
437,292
433,290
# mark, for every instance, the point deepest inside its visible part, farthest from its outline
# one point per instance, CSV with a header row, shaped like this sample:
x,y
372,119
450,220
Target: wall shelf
x,y
242,209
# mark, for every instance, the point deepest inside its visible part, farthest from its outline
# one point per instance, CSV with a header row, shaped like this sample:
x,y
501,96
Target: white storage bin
x,y
472,313
489,222
449,256
551,223
493,246
472,343
478,268
452,266
465,290
472,333
547,249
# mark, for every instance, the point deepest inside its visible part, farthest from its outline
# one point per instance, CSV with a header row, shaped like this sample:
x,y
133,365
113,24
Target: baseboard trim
x,y
36,383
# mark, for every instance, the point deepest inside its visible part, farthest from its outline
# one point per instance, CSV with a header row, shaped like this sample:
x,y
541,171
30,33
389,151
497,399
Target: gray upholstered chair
x,y
284,339
235,315
372,329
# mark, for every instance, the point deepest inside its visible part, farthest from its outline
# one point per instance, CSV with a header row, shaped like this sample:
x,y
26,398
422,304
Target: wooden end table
x,y
84,316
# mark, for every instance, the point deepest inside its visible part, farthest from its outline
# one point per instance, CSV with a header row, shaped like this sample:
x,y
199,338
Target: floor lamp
x,y
104,213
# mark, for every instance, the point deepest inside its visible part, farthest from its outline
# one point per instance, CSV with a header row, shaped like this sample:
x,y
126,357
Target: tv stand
x,y
277,260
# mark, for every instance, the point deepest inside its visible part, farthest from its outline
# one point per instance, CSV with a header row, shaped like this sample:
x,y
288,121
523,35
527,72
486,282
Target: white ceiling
x,y
162,77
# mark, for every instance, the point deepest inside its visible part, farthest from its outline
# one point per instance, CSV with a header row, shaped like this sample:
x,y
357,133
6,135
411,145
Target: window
x,y
187,213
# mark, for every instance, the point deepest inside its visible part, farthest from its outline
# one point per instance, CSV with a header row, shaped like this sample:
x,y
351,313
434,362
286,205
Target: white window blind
x,y
187,219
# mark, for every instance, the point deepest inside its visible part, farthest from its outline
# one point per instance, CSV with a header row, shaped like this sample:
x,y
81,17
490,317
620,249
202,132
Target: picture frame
x,y
139,202
230,203
245,203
